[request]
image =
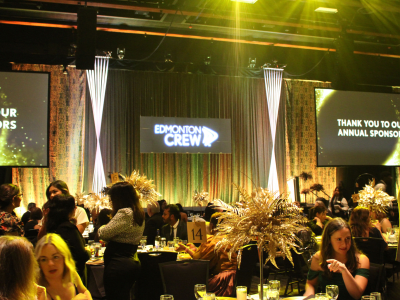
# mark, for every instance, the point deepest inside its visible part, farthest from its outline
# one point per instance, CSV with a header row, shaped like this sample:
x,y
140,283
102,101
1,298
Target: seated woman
x,y
61,210
319,221
32,226
184,216
102,218
10,198
381,221
57,270
18,270
222,270
361,226
338,263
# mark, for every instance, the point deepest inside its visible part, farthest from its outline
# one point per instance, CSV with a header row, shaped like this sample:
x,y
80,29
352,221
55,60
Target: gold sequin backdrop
x,y
131,94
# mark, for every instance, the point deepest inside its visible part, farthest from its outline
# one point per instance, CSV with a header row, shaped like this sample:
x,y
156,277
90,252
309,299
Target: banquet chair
x,y
373,248
248,264
150,285
376,280
296,271
180,277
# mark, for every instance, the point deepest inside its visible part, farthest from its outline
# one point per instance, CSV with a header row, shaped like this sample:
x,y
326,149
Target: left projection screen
x,y
24,119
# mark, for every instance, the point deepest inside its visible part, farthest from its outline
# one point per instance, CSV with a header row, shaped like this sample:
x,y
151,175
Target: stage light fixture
x,y
168,58
207,60
245,1
252,63
120,53
326,10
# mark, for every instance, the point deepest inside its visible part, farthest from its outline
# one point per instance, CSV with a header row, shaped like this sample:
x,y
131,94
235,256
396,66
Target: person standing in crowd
x,y
10,198
57,270
162,204
154,223
338,205
32,226
174,228
123,233
59,187
102,218
61,210
339,263
25,216
18,270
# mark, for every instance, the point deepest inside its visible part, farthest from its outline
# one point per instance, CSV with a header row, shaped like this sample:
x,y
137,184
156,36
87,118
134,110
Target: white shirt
x,y
175,228
81,216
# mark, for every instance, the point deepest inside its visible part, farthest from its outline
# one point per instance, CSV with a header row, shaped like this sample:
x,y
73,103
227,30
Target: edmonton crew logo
x,y
186,136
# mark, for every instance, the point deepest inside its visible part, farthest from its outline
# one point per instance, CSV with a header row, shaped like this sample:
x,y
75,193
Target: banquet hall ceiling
x,y
46,30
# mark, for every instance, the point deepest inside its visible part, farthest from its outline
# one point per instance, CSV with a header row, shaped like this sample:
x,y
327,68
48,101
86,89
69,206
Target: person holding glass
x,y
338,263
123,233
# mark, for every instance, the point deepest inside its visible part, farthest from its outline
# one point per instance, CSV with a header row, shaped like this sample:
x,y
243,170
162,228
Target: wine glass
x,y
376,295
199,290
332,291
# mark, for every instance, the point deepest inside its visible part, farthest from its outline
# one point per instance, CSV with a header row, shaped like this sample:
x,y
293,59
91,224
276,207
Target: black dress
x,y
71,235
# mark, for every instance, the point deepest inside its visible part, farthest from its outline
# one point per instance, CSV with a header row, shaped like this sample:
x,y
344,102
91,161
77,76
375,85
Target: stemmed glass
x,y
199,290
332,291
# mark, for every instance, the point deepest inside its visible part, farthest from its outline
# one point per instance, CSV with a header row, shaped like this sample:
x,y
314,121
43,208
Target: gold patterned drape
x,y
301,155
66,131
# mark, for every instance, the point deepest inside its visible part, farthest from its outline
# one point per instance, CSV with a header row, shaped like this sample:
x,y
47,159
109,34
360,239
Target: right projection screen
x,y
357,128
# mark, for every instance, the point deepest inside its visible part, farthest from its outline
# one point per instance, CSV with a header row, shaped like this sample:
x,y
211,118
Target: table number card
x,y
196,232
114,177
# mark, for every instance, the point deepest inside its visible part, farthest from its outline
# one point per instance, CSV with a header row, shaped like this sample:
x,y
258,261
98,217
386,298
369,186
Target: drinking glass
x,y
184,242
143,242
332,291
199,290
241,292
265,290
163,243
274,285
321,296
367,298
209,296
171,245
166,297
376,295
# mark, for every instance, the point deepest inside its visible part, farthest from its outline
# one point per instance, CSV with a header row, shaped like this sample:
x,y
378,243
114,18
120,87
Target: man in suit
x,y
154,222
174,227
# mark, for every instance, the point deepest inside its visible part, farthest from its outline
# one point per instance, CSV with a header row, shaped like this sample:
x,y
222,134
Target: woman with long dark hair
x,y
123,233
10,198
338,263
61,210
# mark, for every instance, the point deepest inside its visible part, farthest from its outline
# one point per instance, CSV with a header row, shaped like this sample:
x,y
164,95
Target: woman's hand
x,y
319,223
336,266
180,248
41,292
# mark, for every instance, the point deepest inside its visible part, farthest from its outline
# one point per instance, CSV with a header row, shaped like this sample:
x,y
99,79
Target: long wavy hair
x,y
360,222
58,184
62,248
123,195
327,251
339,195
60,209
7,193
18,268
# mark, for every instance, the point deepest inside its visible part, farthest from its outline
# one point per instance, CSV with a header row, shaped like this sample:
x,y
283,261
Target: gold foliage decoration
x,y
144,186
272,221
375,200
200,198
93,201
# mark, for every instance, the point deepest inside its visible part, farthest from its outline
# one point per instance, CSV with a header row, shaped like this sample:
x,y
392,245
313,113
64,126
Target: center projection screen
x,y
185,135
357,128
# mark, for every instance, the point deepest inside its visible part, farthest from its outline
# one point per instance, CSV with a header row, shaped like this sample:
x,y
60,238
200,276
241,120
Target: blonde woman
x,y
18,270
57,270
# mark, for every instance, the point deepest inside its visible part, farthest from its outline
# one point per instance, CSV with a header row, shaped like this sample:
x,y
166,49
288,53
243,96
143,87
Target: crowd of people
x,y
50,239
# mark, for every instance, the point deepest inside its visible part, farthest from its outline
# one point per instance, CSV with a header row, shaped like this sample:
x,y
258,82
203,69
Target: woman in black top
x,y
61,210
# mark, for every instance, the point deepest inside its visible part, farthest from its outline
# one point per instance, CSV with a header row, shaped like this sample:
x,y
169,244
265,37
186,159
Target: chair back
x,y
373,248
150,286
180,277
248,264
376,279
